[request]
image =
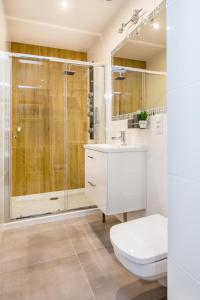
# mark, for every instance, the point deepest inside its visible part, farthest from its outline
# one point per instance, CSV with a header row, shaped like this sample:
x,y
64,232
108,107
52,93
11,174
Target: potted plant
x,y
142,118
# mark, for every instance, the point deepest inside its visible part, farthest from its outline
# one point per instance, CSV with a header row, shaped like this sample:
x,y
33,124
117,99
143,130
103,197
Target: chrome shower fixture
x,y
133,20
116,69
121,77
69,72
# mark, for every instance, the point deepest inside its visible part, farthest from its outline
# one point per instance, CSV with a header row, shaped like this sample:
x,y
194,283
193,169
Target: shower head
x,y
69,72
121,77
121,71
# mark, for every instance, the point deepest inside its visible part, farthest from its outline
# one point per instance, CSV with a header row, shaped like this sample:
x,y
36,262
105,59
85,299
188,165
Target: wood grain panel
x,y
38,149
42,159
47,51
128,93
125,62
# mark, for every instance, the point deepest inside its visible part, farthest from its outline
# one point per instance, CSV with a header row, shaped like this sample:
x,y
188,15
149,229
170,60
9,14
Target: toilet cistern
x,y
122,138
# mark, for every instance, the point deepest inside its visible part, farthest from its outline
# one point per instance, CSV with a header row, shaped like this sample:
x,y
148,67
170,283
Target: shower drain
x,y
54,198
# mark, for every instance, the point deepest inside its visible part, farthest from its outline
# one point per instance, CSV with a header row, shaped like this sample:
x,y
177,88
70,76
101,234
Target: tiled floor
x,y
68,260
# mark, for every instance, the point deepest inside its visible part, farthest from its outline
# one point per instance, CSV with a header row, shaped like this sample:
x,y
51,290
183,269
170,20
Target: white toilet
x,y
141,247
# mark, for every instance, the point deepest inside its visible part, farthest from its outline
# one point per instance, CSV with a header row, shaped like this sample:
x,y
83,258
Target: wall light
x,y
156,25
64,4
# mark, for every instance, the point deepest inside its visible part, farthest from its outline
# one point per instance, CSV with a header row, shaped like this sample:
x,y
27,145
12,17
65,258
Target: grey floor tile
x,y
58,280
13,259
109,280
14,238
72,259
89,234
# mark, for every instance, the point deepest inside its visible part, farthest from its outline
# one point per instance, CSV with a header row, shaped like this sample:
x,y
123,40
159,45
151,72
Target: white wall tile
x,y
133,136
184,149
157,167
184,223
181,286
183,58
184,127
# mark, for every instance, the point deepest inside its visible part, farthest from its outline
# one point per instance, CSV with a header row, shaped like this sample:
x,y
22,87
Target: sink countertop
x,y
116,147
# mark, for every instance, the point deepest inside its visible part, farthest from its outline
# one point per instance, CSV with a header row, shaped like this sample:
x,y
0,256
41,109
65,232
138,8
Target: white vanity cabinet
x,y
115,177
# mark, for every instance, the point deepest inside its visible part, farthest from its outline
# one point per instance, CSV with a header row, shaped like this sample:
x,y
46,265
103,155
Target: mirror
x,y
139,80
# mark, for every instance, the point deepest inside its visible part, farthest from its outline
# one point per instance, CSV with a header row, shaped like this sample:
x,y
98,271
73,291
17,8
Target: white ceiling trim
x,y
76,30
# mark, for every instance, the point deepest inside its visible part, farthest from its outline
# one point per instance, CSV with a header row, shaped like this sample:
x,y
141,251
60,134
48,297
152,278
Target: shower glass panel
x,y
128,93
51,121
38,146
77,124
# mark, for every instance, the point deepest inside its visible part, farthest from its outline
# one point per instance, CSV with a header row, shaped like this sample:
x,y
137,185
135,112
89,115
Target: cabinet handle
x,y
91,157
92,184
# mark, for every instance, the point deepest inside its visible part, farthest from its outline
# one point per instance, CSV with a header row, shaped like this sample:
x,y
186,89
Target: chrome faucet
x,y
122,137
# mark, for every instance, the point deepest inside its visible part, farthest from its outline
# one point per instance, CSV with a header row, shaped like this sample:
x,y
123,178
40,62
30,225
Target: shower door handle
x,y
92,184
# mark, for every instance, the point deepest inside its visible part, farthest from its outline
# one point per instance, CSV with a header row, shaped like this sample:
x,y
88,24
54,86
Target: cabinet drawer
x,y
96,177
91,158
91,191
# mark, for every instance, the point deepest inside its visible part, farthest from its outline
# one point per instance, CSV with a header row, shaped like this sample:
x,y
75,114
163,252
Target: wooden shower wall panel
x,y
47,51
128,93
47,153
38,111
129,97
125,62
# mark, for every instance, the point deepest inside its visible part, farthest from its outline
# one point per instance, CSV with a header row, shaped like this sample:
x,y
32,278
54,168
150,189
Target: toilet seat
x,y
141,246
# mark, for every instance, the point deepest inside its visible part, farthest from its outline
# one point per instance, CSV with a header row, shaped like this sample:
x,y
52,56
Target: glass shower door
x,y
85,123
51,122
38,144
77,90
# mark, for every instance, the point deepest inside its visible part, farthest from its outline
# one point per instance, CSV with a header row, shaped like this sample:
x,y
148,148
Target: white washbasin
x,y
116,147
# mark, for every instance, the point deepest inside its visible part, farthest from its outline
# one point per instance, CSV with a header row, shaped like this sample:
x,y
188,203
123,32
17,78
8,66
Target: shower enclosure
x,y
54,112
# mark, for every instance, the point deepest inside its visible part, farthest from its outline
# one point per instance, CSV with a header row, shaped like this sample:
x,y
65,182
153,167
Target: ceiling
x,y
149,42
45,22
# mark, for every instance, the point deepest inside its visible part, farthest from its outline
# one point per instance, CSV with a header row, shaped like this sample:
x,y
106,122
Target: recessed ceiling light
x,y
156,25
64,4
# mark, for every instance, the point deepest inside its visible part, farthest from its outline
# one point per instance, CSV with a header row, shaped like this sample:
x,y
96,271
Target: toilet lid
x,y
143,240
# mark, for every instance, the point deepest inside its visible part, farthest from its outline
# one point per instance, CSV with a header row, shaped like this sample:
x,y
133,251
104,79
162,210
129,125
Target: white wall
x,y
184,149
3,29
4,88
156,142
157,184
